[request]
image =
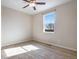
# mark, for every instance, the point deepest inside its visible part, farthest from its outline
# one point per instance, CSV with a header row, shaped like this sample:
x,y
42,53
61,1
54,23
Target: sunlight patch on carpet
x,y
30,47
19,50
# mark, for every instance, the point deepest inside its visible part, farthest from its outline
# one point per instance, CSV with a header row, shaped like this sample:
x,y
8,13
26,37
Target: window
x,y
49,22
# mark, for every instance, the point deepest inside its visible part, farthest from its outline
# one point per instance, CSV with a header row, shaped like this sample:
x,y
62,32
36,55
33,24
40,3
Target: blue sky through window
x,y
50,18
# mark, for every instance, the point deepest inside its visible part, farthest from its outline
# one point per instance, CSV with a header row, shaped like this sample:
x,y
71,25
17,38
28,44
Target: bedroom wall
x,y
15,26
65,34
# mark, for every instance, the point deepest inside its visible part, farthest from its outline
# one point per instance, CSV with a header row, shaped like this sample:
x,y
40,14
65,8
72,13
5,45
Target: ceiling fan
x,y
33,3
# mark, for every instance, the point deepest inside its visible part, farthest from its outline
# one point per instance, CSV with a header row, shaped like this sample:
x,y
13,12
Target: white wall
x,y
65,27
16,26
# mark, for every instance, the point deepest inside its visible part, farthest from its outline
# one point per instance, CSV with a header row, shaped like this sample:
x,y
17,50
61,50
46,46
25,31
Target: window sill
x,y
48,32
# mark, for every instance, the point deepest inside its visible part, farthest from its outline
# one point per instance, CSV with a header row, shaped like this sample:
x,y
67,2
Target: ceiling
x,y
18,4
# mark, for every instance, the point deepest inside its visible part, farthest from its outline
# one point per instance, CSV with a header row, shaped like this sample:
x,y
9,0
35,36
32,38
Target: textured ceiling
x,y
18,4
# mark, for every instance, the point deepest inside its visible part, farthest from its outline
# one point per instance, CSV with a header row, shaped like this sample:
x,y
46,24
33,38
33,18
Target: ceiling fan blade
x,y
26,6
26,0
41,3
34,8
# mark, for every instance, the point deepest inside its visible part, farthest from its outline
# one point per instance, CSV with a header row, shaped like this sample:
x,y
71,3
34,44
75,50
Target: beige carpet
x,y
35,50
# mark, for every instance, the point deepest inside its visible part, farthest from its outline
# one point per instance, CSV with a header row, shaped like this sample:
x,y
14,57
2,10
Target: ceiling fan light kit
x,y
33,3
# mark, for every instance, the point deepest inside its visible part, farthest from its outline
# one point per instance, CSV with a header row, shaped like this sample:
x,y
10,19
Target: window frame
x,y
44,24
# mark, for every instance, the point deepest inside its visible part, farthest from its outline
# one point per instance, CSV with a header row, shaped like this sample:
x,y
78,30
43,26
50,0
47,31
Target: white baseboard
x,y
15,42
57,45
65,47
